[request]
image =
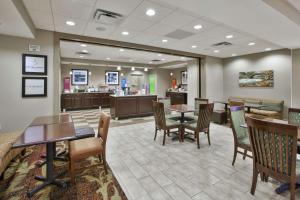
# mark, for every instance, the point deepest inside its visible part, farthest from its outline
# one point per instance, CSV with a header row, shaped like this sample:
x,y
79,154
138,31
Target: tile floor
x,y
146,170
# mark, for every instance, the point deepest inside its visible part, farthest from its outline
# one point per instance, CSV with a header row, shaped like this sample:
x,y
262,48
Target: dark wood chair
x,y
199,101
202,123
236,103
294,118
274,147
240,134
163,123
95,146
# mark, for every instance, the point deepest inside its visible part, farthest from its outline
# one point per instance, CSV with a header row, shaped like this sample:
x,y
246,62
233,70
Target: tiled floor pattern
x,y
146,170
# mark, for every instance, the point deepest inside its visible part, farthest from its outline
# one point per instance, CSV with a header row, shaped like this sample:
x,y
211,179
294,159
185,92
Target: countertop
x,y
137,95
86,92
176,92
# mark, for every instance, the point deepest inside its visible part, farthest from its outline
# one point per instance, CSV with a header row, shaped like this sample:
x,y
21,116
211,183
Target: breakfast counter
x,y
131,105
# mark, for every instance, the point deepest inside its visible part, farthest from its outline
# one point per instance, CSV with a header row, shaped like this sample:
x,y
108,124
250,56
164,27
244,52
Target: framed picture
x,y
184,78
34,64
256,79
80,77
112,77
34,86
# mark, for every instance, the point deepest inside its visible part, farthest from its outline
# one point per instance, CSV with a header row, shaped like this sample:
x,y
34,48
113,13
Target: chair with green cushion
x,y
202,123
163,123
168,113
294,118
240,134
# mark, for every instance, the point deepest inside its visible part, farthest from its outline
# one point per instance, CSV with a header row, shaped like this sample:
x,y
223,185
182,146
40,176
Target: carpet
x,y
91,183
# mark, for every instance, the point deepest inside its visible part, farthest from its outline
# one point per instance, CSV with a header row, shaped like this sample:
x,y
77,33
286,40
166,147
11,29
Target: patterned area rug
x,y
91,183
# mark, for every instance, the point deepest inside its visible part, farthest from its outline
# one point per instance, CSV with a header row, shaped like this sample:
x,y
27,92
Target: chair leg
x,y
181,133
254,180
164,141
155,134
197,138
208,137
2,176
234,154
292,190
104,162
72,171
245,154
168,133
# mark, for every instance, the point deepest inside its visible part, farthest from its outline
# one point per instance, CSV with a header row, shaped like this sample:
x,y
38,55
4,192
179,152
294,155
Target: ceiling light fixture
x,y
268,49
70,23
84,51
197,27
81,56
150,12
216,51
163,59
70,72
90,73
119,68
229,36
130,60
132,68
233,54
251,43
171,74
159,54
194,46
150,62
146,69
107,58
83,45
122,74
182,58
164,40
125,33
122,50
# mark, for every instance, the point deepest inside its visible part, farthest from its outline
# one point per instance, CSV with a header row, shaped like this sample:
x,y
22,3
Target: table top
x,y
252,105
221,101
182,108
54,119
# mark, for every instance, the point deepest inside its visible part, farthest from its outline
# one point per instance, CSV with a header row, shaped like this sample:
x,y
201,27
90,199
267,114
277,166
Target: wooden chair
x,y
163,123
240,134
95,146
202,123
236,103
274,148
199,101
294,118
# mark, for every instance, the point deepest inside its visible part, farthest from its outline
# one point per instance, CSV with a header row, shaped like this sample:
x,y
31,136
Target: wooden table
x,y
48,134
182,109
246,105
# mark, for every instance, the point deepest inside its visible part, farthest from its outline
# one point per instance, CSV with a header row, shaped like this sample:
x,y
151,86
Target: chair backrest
x,y
103,126
236,103
167,104
204,117
274,147
294,116
199,101
237,118
159,114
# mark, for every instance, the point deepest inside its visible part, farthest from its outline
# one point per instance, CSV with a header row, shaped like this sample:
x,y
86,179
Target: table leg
x,y
226,112
50,178
248,109
56,157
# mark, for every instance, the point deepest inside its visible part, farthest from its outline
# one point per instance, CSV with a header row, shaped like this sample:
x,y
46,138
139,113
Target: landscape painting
x,y
256,79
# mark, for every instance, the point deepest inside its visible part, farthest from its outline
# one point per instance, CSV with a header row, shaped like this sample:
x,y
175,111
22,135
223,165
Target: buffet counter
x,y
177,97
131,105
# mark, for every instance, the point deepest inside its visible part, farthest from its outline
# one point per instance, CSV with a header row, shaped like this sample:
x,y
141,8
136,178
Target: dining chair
x,y
95,146
236,103
274,147
202,123
163,123
294,118
167,105
197,102
240,134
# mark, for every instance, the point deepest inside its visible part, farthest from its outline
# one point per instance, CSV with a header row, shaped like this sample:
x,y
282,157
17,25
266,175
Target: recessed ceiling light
x,y
146,69
233,54
107,58
132,68
182,58
119,68
150,62
70,23
150,12
251,43
83,45
81,56
122,50
84,51
159,54
198,26
268,49
90,73
130,60
164,40
171,74
125,33
229,36
122,74
162,59
194,46
216,51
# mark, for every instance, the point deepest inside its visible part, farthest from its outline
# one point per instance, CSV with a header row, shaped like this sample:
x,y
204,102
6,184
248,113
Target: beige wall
x,y
17,112
296,78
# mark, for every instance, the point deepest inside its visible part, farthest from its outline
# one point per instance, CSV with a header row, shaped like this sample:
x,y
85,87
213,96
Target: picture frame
x,y
259,79
34,86
184,77
112,77
80,77
33,64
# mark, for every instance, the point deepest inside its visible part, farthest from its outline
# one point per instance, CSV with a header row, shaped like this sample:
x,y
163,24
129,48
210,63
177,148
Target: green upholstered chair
x,y
202,123
294,118
274,148
240,134
163,123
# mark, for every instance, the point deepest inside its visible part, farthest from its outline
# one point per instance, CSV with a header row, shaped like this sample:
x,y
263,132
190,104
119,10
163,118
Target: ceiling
x,y
97,52
248,21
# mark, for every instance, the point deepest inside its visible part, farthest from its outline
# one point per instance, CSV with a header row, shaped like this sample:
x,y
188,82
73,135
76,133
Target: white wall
x,y
193,81
17,112
296,78
279,61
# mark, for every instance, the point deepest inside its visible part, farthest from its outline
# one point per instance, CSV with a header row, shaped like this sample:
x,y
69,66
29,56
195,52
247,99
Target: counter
x,y
131,105
177,97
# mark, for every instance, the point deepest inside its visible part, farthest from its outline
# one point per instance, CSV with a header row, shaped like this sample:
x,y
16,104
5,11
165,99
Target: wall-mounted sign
x,y
80,77
34,64
34,47
34,86
256,79
112,77
184,77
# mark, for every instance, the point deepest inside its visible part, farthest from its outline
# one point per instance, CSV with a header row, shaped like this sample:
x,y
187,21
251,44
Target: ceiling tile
x,y
61,26
42,20
98,30
179,18
135,24
42,5
123,7
161,29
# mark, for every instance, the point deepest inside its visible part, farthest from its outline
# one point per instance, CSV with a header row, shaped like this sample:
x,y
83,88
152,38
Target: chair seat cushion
x,y
83,147
172,123
268,113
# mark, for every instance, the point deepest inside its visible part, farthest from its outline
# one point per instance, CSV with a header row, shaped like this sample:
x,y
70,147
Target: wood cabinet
x,y
84,100
177,97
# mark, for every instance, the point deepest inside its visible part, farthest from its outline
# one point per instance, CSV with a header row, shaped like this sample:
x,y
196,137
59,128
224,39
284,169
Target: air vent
x,y
107,17
82,53
155,60
224,44
179,34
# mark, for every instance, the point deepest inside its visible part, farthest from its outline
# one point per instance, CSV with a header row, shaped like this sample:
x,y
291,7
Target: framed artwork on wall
x,y
34,86
112,77
184,78
34,64
80,77
256,79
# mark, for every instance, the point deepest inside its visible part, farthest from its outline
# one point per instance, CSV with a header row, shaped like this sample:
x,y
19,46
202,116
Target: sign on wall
x,y
34,64
256,79
34,86
80,77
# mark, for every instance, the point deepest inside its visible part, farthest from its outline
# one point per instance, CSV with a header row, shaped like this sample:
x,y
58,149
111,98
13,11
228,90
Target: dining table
x,y
248,106
48,130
